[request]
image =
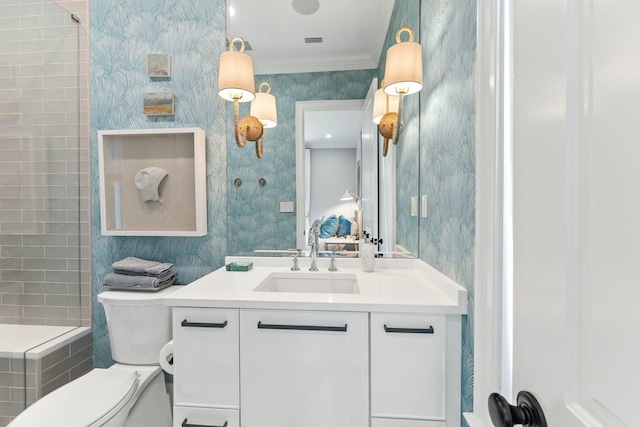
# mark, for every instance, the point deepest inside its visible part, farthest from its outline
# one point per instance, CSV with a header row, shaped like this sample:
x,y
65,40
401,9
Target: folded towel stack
x,y
133,272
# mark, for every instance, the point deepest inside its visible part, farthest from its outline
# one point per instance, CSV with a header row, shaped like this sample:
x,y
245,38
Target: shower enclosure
x,y
44,203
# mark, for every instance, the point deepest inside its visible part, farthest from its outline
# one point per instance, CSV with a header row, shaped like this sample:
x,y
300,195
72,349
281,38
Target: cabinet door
x,y
206,357
408,368
205,417
304,368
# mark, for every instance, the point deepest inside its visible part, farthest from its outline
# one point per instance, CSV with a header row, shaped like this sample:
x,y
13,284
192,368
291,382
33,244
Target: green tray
x,y
239,266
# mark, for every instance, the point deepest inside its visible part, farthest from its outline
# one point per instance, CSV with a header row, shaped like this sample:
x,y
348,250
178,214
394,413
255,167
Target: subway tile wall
x,y
23,381
44,164
12,388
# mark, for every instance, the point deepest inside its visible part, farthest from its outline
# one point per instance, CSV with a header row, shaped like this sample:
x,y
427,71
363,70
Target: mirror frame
x,y
301,108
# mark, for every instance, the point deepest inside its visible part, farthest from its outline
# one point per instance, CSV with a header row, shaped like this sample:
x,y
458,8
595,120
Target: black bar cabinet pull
x,y
303,327
203,325
185,423
428,330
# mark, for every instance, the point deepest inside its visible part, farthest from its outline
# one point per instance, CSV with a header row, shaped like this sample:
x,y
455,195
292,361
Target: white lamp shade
x,y
383,104
235,76
264,108
379,105
393,103
403,70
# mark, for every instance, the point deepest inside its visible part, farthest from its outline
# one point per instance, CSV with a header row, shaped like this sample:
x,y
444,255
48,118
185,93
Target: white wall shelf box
x,y
182,210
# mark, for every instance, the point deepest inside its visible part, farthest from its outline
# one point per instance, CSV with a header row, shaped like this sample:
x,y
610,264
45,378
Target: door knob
x,y
528,412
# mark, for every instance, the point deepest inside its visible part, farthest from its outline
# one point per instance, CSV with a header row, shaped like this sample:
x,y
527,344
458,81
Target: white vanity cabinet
x,y
291,368
385,354
409,370
206,350
304,368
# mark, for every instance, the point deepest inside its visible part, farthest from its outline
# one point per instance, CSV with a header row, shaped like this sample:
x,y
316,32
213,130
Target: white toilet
x,y
132,392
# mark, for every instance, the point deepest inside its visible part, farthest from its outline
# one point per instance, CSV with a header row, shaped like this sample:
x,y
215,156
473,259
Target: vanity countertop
x,y
396,285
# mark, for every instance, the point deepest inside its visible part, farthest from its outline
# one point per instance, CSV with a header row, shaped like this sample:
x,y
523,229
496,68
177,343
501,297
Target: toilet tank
x,y
139,324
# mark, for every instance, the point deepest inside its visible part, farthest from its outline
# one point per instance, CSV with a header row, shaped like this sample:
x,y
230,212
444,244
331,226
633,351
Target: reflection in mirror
x,y
402,161
328,162
257,219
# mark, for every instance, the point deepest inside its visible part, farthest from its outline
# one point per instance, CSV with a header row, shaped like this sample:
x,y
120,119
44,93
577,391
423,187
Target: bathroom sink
x,y
320,283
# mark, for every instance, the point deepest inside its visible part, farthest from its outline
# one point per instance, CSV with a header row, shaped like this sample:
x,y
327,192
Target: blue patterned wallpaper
x,y
193,33
254,217
447,153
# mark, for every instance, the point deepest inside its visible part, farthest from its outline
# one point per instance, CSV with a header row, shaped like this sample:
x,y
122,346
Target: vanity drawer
x,y
408,367
389,422
205,417
206,357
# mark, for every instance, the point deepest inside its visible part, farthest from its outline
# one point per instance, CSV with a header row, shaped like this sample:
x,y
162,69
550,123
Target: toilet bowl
x,y
132,392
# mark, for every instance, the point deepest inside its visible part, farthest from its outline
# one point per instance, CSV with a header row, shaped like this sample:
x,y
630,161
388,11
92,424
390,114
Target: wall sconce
x,y
386,107
236,83
402,76
350,195
263,107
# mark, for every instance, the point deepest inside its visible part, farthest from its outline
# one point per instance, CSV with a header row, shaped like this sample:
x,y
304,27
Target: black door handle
x,y
303,327
186,323
528,412
185,423
390,330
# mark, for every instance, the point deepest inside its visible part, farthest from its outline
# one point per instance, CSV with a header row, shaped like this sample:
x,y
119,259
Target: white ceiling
x,y
353,33
344,126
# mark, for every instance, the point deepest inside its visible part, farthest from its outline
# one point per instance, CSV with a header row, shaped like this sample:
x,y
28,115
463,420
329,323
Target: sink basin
x,y
320,283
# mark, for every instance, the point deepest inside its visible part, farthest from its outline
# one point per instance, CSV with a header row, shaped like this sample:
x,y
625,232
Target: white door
x,y
576,148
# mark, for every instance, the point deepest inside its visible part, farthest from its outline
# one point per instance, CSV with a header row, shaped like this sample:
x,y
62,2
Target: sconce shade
x,y
235,75
383,104
403,69
393,103
264,107
379,105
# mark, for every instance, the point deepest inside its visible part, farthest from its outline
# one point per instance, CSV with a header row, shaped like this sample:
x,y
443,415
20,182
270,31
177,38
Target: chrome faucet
x,y
295,260
333,267
313,242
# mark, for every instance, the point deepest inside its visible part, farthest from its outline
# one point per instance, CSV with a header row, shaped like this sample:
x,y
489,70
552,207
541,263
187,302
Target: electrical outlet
x,y
286,206
424,206
414,206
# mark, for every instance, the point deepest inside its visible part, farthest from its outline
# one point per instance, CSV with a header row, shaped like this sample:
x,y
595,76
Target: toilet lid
x,y
82,402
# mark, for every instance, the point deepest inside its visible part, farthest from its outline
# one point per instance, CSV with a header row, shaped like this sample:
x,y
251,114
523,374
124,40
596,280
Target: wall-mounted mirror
x,y
321,57
330,163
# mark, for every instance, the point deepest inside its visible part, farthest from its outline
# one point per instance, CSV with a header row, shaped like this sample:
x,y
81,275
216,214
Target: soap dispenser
x,y
367,254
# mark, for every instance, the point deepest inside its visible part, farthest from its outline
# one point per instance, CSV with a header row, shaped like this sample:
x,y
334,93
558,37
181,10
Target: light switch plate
x,y
423,210
414,206
286,206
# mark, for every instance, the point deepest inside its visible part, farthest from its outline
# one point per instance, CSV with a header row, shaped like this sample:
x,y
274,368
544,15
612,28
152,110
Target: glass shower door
x,y
41,202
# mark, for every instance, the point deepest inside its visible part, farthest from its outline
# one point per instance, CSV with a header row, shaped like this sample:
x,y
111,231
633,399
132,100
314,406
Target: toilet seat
x,y
114,387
